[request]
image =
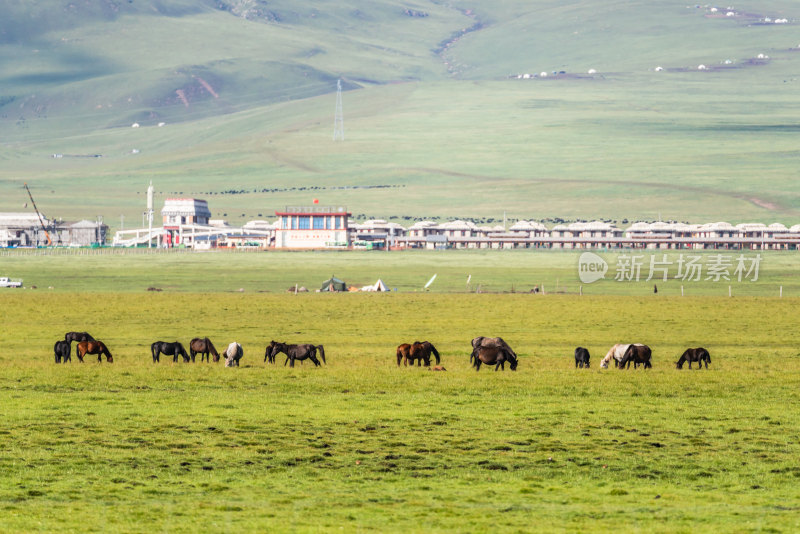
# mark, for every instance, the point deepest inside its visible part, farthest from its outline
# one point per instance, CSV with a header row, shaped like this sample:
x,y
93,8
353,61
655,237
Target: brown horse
x,y
698,355
93,347
403,351
496,356
298,352
636,353
204,347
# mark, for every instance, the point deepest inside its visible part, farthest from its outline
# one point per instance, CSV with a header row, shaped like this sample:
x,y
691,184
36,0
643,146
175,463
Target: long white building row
x,y
467,235
596,234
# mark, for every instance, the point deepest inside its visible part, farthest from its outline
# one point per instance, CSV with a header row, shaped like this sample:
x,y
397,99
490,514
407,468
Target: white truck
x,y
9,282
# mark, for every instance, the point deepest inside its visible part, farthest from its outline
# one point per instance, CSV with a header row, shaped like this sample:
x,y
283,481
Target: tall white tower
x,y
338,118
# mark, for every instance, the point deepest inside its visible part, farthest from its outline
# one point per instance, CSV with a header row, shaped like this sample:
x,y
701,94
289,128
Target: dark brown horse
x,y
496,356
496,342
298,352
424,350
93,347
268,354
636,353
419,350
203,347
62,351
168,349
698,355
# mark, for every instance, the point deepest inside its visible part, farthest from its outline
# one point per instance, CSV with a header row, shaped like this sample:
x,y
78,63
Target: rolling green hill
x,y
437,122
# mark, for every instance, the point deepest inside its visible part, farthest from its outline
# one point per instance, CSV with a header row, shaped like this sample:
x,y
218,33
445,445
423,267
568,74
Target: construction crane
x,y
41,221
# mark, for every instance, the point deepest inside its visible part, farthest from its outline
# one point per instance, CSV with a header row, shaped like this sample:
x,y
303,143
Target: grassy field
x,y
494,271
360,445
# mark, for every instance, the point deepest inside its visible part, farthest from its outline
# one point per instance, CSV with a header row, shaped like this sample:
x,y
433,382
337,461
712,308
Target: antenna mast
x,y
338,118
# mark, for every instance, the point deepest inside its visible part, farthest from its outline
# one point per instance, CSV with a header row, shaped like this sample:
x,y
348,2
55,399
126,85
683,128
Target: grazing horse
x,y
69,337
581,358
204,347
424,350
233,354
698,355
403,351
420,351
93,347
636,353
168,349
62,351
496,356
616,352
497,342
299,352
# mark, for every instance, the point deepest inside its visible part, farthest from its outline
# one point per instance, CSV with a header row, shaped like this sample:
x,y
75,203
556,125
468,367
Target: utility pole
x,y
338,118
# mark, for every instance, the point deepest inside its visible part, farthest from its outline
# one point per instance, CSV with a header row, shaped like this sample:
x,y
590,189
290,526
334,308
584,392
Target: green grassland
x,y
492,271
361,445
430,110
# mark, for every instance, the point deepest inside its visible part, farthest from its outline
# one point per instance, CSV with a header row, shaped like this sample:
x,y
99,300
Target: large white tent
x,y
377,286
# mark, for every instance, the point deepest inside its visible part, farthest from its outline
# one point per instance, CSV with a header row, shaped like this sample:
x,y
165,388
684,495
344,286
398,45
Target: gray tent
x,y
333,284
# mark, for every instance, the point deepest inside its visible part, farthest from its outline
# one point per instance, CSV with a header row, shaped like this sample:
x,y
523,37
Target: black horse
x,y
297,352
496,356
168,349
69,337
699,355
581,358
636,353
62,350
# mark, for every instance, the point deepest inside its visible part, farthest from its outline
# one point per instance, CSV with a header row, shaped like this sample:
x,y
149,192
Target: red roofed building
x,y
312,227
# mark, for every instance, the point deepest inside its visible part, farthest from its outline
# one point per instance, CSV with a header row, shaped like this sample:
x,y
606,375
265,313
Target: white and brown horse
x,y
233,354
616,353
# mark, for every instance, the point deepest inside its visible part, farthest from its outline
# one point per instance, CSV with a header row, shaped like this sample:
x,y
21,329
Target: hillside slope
x,y
437,122
110,63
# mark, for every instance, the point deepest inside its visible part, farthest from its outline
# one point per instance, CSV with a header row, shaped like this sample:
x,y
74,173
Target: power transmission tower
x,y
338,119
